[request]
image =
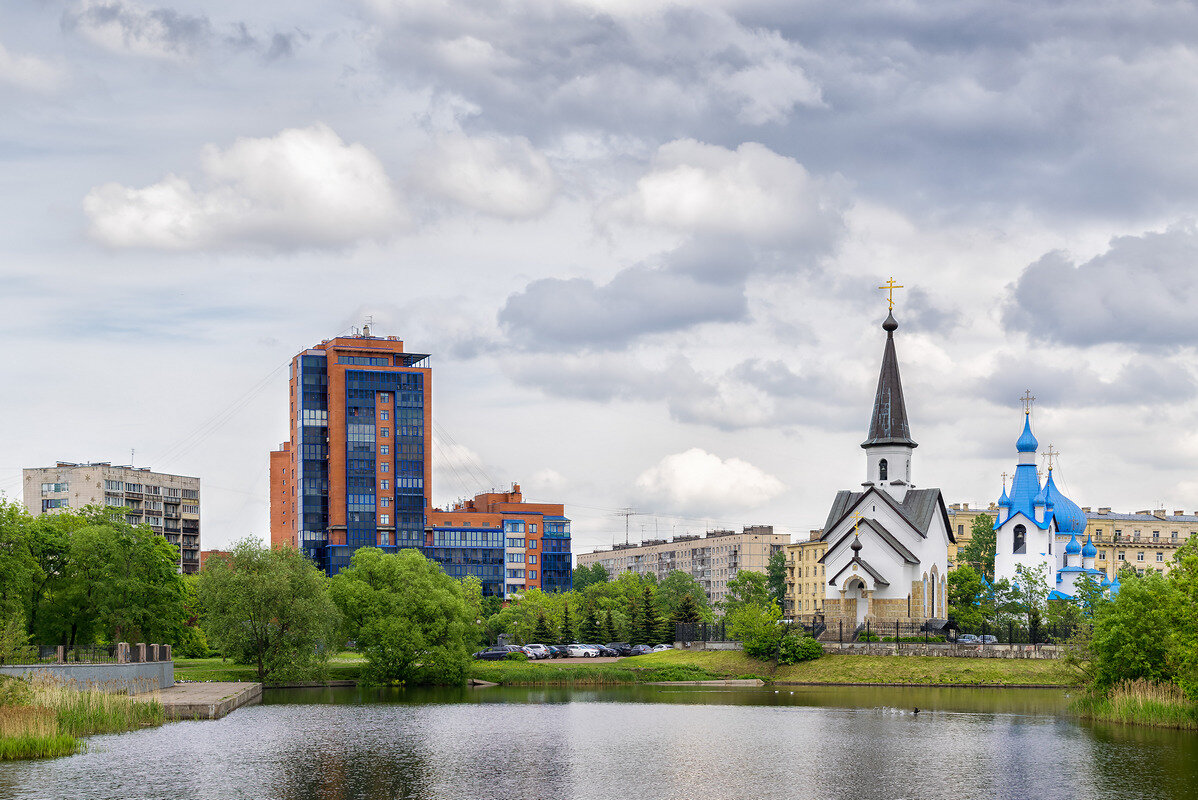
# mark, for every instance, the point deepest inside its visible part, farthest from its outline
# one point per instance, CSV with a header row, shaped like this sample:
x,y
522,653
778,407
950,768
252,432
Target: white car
x,y
537,651
661,647
582,651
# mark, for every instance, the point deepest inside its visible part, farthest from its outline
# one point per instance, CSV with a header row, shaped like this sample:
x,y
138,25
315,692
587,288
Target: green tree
x,y
590,631
664,632
1131,633
14,640
472,594
747,588
633,628
270,608
679,587
609,627
775,580
647,618
1183,637
567,635
965,592
979,551
1032,594
541,634
409,618
687,612
582,577
757,628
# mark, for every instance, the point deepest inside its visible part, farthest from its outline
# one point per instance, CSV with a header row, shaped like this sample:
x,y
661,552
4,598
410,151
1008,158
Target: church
x,y
1040,529
887,544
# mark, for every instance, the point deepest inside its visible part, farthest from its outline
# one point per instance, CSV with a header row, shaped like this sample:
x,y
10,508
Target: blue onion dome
x,y
1026,442
1114,585
1042,499
1069,516
1073,548
1105,582
1089,551
1004,501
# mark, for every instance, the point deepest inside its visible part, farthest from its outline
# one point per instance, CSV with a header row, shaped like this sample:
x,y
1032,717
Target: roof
x,y
873,573
888,425
884,534
918,508
1091,516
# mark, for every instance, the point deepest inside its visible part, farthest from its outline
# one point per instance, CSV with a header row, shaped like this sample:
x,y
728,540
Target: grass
x,y
43,718
342,667
582,673
1157,705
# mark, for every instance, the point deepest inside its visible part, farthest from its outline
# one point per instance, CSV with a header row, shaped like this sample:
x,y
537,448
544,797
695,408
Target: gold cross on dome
x,y
857,519
890,286
1004,481
1027,401
1051,454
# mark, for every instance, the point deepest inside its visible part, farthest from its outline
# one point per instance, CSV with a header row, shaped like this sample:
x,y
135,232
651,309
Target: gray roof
x,y
858,560
889,422
886,537
918,506
1091,516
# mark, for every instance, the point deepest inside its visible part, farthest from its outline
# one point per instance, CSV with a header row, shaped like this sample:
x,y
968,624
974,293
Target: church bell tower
x,y
889,445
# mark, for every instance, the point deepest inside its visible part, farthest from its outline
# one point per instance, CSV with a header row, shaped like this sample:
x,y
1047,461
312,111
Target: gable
x,y
886,536
918,509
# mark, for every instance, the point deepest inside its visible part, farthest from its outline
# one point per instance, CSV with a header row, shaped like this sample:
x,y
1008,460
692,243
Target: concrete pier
x,y
207,700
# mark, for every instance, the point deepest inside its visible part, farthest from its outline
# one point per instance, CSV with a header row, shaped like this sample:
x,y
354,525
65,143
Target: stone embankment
x,y
207,700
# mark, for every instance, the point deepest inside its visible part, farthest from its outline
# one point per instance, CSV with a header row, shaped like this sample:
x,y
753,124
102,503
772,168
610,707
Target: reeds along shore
x,y
1159,705
43,718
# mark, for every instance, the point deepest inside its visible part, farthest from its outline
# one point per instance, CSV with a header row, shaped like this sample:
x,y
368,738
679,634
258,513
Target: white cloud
x,y
506,177
302,188
700,482
28,72
751,191
130,28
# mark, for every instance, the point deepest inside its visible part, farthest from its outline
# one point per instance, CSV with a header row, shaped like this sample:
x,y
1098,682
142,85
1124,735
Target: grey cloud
x,y
1138,383
1140,292
152,31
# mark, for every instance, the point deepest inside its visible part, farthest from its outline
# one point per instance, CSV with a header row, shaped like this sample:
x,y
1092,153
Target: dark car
x,y
558,651
497,653
606,652
620,648
641,649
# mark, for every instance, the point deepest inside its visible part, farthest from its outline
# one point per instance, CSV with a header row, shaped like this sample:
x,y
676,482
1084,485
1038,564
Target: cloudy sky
x,y
640,239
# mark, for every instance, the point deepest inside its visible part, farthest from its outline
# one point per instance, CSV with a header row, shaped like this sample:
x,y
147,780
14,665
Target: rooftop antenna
x,y
366,327
626,513
131,451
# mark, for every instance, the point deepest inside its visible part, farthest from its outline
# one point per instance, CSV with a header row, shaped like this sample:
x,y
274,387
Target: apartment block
x,y
168,504
805,580
712,559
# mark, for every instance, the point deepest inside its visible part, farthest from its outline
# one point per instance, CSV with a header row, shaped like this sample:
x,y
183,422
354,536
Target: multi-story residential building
x,y
509,544
1145,540
168,504
805,576
961,518
357,472
712,559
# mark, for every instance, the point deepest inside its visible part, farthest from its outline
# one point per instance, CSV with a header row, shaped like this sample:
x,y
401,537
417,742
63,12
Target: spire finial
x,y
1050,453
1004,481
890,286
1027,401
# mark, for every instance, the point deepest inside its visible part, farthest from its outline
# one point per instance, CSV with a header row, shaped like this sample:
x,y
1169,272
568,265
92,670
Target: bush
x,y
796,647
758,629
514,656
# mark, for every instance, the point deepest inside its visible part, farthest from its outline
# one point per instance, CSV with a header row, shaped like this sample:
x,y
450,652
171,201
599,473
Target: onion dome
x,y
856,546
1027,442
1042,498
1089,551
1069,516
1073,548
1004,501
1114,586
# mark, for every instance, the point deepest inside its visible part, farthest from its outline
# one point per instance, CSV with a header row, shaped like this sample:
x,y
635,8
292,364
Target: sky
x,y
641,241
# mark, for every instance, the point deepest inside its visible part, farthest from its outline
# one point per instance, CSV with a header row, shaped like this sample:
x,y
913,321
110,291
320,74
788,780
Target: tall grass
x,y
1141,702
43,718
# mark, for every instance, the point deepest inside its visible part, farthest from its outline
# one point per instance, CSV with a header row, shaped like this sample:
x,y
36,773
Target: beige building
x,y
1145,540
805,576
961,517
168,504
712,559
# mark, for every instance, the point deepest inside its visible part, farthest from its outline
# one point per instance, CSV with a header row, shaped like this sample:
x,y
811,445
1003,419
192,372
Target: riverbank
x,y
342,667
42,719
1155,705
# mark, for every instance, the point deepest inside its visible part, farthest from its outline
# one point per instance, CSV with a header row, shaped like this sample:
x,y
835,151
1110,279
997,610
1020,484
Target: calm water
x,y
643,742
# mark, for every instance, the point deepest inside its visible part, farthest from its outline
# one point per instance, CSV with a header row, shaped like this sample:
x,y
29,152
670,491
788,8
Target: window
x,y
385,502
513,526
1140,556
882,470
532,544
384,484
1174,536
532,574
1156,536
1118,534
384,414
384,467
1020,540
1122,555
532,558
960,530
384,519
384,449
384,432
532,528
384,397
515,558
1102,556
515,543
1160,556
62,487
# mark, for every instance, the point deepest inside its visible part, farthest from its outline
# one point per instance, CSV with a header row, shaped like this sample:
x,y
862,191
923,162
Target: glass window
x,y
1160,556
385,484
532,544
385,502
513,526
532,574
384,414
384,519
532,527
1139,556
1122,555
384,449
384,467
384,432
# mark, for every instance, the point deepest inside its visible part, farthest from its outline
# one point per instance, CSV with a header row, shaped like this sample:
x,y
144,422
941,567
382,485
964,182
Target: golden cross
x,y
890,286
1004,481
1051,453
1027,401
856,519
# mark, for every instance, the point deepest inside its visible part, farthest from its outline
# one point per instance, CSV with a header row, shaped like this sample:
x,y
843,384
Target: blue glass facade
x,y
312,460
556,575
470,551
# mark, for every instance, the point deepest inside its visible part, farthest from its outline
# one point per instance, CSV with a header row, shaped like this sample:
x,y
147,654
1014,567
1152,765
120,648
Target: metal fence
x,y
1012,632
91,654
930,632
701,632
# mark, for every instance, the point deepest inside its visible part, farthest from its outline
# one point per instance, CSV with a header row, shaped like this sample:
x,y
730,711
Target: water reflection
x,y
653,742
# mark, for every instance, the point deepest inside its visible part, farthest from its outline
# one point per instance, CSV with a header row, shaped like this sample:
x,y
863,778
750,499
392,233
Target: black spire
x,y
889,422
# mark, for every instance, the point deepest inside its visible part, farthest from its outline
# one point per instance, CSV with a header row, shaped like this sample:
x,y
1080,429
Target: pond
x,y
645,742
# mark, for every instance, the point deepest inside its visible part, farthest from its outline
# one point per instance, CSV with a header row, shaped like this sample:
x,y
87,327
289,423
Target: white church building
x,y
887,544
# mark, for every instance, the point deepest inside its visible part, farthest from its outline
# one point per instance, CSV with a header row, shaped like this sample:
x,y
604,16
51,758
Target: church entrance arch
x,y
855,590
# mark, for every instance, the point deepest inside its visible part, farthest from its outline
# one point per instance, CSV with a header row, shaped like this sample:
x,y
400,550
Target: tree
x,y
965,591
590,631
582,577
687,612
609,627
747,588
979,551
1130,639
756,627
1183,639
567,636
633,627
647,618
541,633
472,594
664,631
676,588
1032,594
14,640
775,581
270,608
409,618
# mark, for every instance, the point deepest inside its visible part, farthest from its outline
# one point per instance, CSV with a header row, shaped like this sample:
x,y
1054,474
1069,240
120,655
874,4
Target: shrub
x,y
796,647
515,656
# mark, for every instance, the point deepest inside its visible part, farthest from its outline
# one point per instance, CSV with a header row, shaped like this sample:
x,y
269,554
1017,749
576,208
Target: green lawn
x,y
342,667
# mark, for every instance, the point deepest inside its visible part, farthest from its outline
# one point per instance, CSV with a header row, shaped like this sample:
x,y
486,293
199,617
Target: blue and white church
x,y
1032,523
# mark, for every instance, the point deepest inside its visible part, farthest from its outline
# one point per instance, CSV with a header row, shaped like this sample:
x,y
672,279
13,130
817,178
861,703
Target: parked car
x,y
498,652
620,648
641,649
967,638
582,651
604,651
661,647
559,651
537,651
989,639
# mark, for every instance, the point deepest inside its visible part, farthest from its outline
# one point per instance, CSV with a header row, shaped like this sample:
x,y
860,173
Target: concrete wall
x,y
129,678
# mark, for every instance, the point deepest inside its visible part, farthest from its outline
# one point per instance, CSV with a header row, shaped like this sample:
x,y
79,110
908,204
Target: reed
x,y
1141,702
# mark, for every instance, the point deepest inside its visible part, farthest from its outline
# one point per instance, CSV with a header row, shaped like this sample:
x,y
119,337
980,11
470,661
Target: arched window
x,y
882,470
1020,540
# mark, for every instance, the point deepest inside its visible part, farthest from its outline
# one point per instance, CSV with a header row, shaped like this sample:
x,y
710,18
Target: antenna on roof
x,y
366,327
